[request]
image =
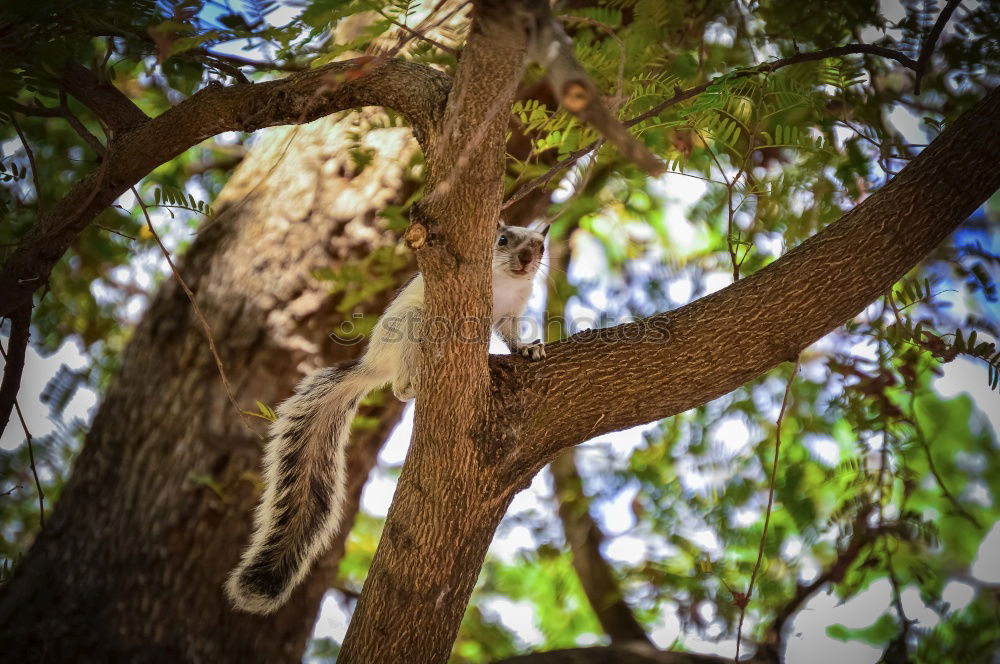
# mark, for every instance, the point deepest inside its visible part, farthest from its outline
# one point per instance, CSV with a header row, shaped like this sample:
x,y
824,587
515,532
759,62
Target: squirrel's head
x,y
518,251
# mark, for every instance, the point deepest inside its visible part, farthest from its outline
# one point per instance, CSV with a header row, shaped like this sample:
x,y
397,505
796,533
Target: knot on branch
x,y
422,237
415,236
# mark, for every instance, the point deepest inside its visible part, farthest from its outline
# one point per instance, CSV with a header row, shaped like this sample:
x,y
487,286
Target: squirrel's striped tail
x,y
304,475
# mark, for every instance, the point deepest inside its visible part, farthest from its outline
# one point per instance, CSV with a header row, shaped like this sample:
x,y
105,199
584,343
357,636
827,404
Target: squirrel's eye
x,y
502,241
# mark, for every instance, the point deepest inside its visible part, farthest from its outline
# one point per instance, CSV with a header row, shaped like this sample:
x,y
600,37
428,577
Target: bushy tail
x,y
304,474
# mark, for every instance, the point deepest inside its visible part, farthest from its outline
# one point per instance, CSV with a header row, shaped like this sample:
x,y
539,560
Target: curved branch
x,y
927,48
774,65
416,91
106,101
862,537
604,380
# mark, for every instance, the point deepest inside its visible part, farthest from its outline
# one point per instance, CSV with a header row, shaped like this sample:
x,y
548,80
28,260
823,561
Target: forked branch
x,y
416,91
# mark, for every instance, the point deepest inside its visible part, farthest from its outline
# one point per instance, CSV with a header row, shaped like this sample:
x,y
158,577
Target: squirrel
x,y
304,463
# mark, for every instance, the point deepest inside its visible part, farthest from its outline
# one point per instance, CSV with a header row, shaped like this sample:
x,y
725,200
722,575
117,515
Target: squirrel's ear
x,y
545,231
500,225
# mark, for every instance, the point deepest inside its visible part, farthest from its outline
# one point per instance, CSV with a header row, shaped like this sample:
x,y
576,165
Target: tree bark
x,y
131,564
448,502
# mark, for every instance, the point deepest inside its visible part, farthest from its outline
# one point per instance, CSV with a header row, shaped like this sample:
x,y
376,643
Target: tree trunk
x,y
131,564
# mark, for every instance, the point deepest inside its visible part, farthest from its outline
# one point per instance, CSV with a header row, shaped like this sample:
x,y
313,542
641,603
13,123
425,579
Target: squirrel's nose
x,y
524,256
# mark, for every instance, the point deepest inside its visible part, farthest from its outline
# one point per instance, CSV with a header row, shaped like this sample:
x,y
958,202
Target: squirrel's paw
x,y
534,351
405,389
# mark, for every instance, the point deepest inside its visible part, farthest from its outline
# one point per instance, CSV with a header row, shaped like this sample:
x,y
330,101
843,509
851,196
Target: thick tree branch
x,y
105,100
610,379
414,90
447,503
584,537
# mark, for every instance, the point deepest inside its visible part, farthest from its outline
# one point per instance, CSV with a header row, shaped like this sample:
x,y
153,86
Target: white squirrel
x,y
304,463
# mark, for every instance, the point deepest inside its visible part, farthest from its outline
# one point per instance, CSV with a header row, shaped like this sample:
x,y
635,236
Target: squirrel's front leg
x,y
506,327
405,387
406,382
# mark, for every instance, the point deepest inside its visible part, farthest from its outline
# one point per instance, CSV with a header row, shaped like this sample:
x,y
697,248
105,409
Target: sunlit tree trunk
x,y
131,563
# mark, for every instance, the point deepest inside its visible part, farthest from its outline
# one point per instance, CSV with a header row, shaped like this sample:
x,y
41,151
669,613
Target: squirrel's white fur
x,y
304,465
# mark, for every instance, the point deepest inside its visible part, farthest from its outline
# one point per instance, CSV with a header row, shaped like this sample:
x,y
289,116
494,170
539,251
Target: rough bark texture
x,y
448,502
605,380
131,564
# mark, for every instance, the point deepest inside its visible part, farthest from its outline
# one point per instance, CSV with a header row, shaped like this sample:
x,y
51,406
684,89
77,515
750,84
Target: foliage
x,y
875,463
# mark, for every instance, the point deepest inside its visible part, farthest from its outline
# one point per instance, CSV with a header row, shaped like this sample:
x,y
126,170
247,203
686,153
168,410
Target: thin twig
x,y
767,67
79,127
578,189
31,161
111,230
730,246
770,501
545,177
31,455
416,33
197,310
227,68
31,462
922,439
927,48
884,402
240,61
